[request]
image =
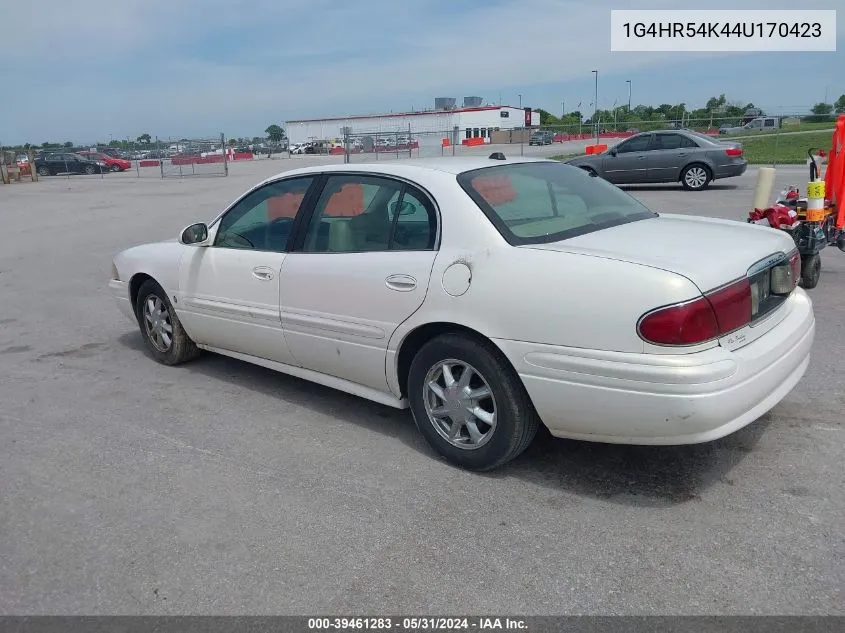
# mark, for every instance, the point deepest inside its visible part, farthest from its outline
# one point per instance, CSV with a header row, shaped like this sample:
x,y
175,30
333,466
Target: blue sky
x,y
87,70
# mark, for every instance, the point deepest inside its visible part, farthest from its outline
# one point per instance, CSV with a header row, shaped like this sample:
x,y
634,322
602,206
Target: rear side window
x,y
535,203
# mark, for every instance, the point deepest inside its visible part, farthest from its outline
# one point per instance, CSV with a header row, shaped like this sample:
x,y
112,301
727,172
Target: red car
x,y
115,164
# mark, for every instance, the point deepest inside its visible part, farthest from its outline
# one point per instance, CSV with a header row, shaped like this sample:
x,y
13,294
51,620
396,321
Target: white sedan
x,y
488,295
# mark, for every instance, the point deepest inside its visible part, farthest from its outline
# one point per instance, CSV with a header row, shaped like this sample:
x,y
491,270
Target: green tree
x,y
46,144
233,142
275,133
144,138
68,144
821,112
839,105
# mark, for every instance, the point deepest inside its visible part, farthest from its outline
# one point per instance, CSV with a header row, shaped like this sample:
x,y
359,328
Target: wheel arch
x,y
135,283
696,161
422,334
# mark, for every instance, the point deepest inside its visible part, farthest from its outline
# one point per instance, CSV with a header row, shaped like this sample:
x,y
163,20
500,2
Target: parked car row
x,y
55,164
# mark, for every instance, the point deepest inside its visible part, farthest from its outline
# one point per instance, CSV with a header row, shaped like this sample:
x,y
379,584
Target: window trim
x,y
648,146
215,224
684,138
464,179
304,216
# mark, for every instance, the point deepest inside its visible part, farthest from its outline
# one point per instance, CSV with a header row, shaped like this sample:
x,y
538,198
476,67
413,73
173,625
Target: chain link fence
x,y
766,139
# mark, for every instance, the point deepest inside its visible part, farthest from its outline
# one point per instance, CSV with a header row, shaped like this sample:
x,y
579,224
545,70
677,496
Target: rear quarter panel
x,y
548,297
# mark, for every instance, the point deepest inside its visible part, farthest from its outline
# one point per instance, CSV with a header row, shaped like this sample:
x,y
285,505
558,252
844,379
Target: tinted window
x,y
636,144
358,213
264,218
548,201
672,141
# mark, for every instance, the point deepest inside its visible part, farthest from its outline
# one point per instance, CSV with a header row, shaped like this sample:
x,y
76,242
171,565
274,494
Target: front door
x,y
229,292
629,164
361,268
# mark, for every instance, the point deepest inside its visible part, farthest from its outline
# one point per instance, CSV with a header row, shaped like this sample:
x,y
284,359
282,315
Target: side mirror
x,y
194,234
407,208
613,151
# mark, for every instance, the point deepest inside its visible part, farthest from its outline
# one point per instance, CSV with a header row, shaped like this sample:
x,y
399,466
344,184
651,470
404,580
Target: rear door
x,y
629,164
360,267
670,152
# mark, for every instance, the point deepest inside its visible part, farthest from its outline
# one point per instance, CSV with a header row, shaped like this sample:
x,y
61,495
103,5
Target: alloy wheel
x,y
696,177
157,323
460,404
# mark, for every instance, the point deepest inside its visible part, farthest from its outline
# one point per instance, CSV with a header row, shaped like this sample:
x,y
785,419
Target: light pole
x,y
596,108
562,109
520,101
628,81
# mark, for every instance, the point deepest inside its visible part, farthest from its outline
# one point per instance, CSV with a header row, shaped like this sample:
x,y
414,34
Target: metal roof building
x,y
427,126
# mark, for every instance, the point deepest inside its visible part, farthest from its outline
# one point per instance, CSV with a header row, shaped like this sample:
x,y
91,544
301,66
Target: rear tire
x,y
161,328
811,270
89,169
43,171
696,177
469,403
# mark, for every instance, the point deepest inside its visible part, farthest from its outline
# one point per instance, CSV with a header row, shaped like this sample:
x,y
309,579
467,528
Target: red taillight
x,y
703,319
682,324
733,151
732,305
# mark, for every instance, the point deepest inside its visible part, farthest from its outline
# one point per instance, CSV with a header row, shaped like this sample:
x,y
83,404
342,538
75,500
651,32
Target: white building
x,y
426,127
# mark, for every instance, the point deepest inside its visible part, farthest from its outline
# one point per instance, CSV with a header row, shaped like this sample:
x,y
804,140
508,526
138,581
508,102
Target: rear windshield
x,y
535,203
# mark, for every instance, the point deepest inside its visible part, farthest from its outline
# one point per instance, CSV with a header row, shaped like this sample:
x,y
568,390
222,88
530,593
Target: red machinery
x,y
818,220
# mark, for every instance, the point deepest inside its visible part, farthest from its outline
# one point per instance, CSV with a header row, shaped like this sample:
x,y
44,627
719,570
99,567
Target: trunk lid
x,y
707,251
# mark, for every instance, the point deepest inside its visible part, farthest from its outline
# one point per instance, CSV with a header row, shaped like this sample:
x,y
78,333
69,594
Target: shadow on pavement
x,y
628,475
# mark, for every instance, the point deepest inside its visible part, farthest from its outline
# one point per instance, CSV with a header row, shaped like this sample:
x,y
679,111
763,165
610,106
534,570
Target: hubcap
x,y
696,177
157,323
460,404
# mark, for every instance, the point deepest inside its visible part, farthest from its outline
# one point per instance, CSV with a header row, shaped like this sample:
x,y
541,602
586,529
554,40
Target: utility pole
x,y
628,81
596,108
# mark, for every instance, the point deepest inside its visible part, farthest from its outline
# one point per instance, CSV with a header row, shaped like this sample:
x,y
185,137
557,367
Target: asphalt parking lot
x,y
223,488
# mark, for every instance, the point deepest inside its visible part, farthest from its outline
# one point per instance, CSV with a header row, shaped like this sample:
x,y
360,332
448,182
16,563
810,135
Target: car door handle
x,y
401,283
641,157
264,273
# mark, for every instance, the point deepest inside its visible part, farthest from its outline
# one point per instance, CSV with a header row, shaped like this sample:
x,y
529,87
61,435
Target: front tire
x,y
469,403
696,177
90,170
43,171
811,270
161,328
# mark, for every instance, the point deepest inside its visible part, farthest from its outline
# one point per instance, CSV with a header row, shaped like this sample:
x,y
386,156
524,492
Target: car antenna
x,y
497,156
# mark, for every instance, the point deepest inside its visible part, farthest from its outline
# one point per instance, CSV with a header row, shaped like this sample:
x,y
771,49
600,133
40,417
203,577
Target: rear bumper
x,y
665,399
119,291
730,171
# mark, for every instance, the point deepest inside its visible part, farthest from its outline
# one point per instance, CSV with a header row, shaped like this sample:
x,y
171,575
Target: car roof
x,y
407,167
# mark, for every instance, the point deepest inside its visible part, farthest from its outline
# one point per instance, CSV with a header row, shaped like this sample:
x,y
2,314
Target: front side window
x,y
263,219
360,213
636,144
535,203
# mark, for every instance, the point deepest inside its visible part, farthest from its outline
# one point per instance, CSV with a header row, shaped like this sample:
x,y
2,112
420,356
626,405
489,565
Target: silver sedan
x,y
692,159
